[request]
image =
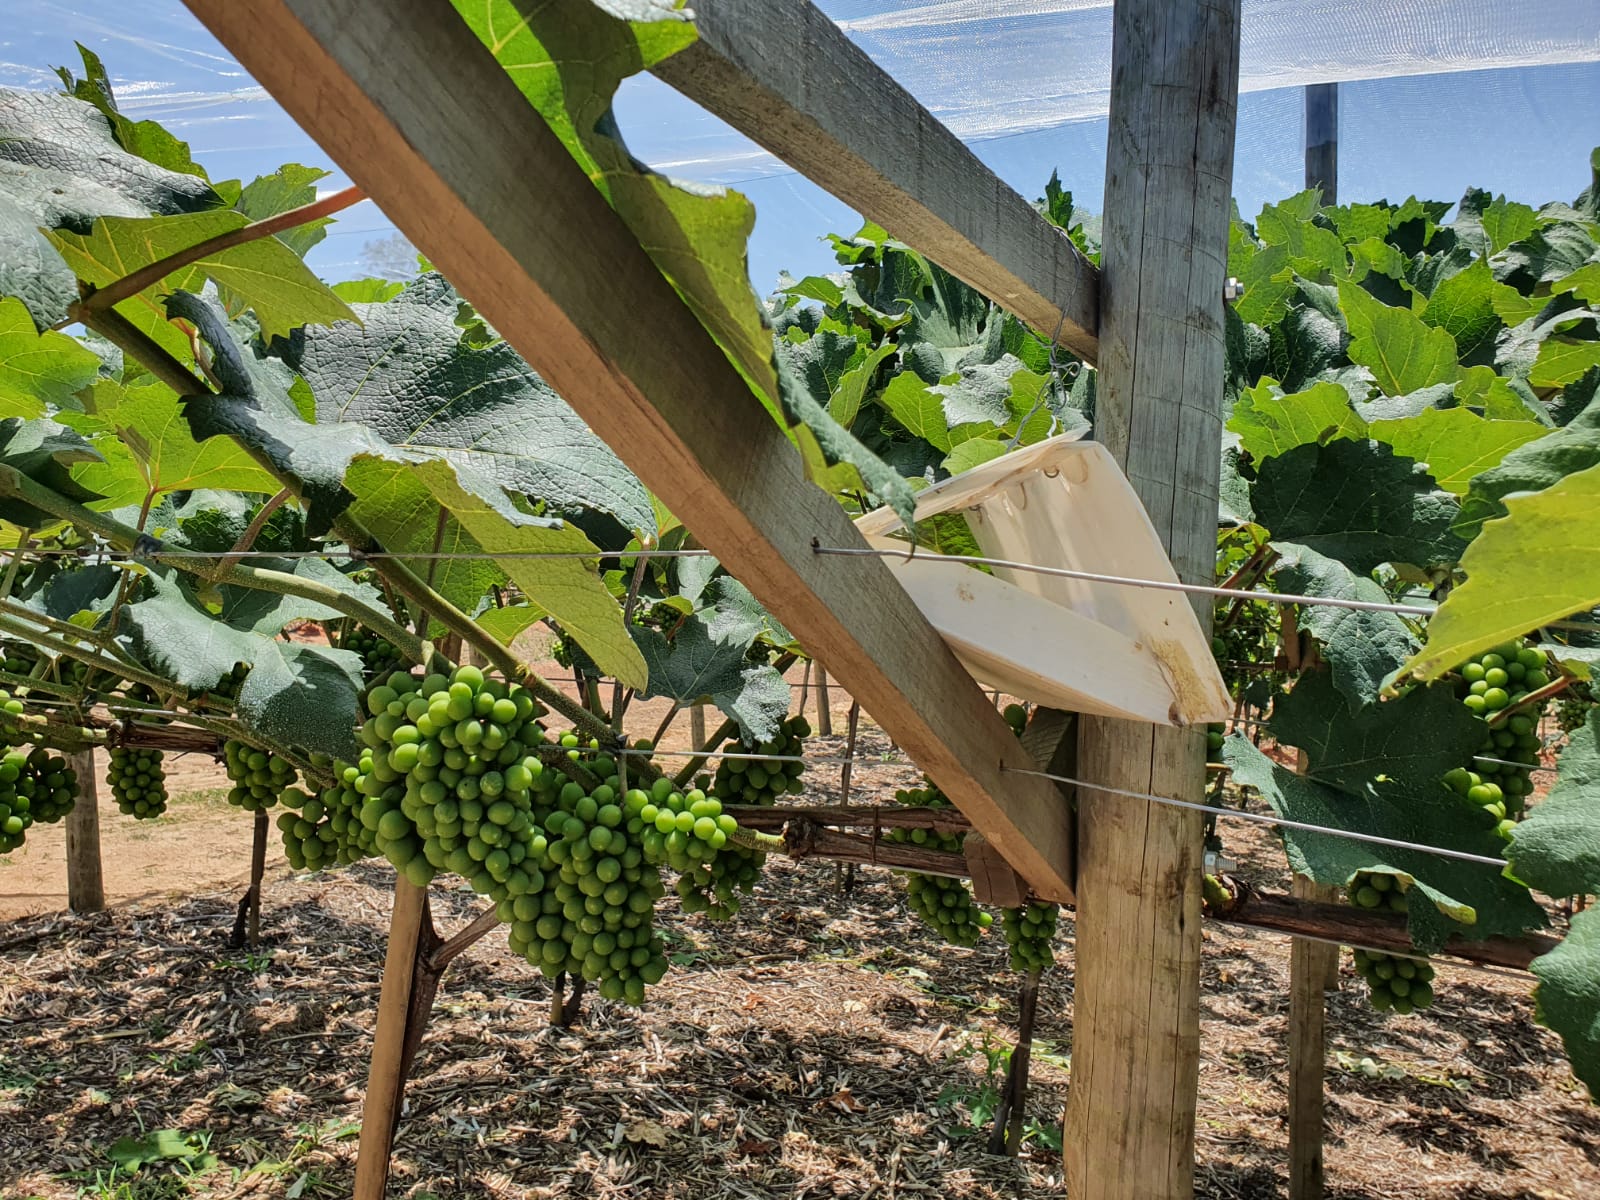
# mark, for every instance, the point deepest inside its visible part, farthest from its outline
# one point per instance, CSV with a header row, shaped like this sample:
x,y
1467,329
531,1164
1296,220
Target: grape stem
x,y
1531,701
257,523
55,645
14,565
101,299
125,538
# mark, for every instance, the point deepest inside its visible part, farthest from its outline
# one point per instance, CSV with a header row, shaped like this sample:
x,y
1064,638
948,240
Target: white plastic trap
x,y
1110,649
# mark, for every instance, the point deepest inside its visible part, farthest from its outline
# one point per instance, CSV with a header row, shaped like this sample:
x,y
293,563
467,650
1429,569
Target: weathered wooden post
x,y
1322,140
85,886
1169,175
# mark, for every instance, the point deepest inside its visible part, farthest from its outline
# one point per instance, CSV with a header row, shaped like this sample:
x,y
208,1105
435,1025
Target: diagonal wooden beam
x,y
784,75
404,97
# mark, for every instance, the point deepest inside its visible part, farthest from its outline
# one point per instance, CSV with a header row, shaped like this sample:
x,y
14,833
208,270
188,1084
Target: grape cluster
x,y
945,904
1403,984
321,831
1393,982
1030,932
258,777
377,654
35,788
138,782
1216,735
1497,680
715,887
751,781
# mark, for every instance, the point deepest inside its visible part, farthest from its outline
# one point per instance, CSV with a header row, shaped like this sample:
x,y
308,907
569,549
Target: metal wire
x,y
360,555
1265,819
1161,585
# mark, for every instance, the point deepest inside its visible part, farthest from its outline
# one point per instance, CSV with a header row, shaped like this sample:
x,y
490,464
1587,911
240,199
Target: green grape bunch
x,y
735,871
137,782
258,777
1030,933
378,655
35,788
1394,982
944,904
1500,778
754,781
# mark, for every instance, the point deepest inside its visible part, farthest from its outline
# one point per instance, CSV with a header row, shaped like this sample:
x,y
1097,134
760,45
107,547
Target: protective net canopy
x,y
1438,95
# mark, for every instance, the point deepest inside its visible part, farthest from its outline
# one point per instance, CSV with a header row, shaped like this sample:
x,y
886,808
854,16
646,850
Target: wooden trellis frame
x,y
387,86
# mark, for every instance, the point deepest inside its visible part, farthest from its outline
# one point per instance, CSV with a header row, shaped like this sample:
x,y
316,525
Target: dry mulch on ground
x,y
822,1044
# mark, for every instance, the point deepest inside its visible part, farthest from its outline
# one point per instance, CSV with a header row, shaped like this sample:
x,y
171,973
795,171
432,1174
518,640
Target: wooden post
x,y
1169,174
247,925
386,1076
86,891
1322,140
1309,964
697,727
824,704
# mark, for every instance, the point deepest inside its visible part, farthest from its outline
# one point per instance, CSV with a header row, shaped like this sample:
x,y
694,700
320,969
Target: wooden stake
x,y
1169,171
824,704
1308,982
85,886
1009,1117
247,925
697,727
386,1075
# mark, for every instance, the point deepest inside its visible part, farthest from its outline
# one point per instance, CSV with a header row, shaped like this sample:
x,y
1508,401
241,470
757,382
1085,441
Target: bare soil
x,y
824,1043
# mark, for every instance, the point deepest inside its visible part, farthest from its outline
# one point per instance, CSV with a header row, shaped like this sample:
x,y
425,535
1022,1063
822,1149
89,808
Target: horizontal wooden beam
x,y
406,99
784,75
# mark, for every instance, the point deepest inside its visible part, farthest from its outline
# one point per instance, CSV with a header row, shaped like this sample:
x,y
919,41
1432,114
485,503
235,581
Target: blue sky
x,y
1522,130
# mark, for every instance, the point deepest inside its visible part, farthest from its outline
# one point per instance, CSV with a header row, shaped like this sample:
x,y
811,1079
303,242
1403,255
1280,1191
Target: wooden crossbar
x,y
404,97
784,75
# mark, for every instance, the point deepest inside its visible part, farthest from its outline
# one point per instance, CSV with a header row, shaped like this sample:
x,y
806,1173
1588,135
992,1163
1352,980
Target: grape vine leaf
x,y
694,665
504,624
1534,566
45,451
1403,353
1454,444
294,693
39,369
1568,995
1532,468
265,275
1562,360
1488,224
405,373
1463,306
291,186
147,139
60,168
1557,847
760,703
1269,423
1358,502
413,507
1466,899
918,409
1413,739
147,449
1363,649
79,595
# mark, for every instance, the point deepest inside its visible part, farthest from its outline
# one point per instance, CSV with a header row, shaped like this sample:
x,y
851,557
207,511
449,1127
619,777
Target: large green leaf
x,y
566,588
45,451
1568,995
1403,353
1357,502
291,186
1455,445
1269,423
918,409
266,275
1414,739
39,369
1557,848
1532,468
146,139
1463,306
695,664
147,449
295,693
1562,360
61,168
406,374
1536,565
1363,649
